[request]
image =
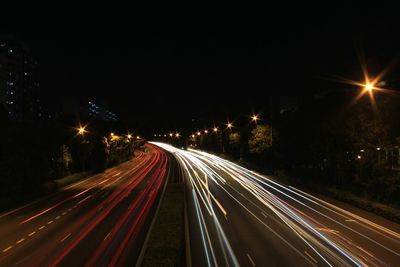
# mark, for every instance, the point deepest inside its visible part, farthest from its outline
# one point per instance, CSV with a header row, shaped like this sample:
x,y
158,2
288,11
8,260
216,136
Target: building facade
x,y
85,108
19,82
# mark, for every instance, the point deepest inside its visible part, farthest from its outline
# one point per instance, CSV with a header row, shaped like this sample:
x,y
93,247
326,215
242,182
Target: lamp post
x,y
82,131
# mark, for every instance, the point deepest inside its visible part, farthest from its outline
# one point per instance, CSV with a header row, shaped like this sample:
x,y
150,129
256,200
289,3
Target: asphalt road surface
x,y
238,217
99,221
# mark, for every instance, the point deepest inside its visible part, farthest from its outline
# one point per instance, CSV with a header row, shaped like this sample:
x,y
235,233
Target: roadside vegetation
x,y
350,152
52,153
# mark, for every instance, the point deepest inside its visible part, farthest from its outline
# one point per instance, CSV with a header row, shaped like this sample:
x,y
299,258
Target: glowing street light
x,y
215,129
112,134
198,133
81,130
138,137
255,118
369,86
129,136
229,125
177,135
193,136
206,131
171,134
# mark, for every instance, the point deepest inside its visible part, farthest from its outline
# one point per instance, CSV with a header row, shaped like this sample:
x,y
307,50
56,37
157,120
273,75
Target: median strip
x,y
166,243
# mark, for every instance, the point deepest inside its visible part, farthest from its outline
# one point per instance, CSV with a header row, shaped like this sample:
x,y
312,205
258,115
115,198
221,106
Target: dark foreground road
x,y
240,218
100,221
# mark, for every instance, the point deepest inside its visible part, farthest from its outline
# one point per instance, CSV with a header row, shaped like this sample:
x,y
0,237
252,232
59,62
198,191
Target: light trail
x,y
84,208
312,221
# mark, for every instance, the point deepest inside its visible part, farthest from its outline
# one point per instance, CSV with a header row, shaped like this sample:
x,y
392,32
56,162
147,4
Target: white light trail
x,y
207,173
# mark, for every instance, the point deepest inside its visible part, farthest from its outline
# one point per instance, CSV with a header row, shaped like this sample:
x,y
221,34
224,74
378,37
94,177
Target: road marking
x,y
115,175
107,236
31,234
311,257
250,259
265,215
50,222
64,213
7,249
327,230
220,206
21,240
43,226
58,217
350,220
83,200
62,240
104,181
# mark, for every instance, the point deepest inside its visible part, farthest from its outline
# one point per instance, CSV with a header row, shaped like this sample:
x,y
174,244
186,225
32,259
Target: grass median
x,y
166,243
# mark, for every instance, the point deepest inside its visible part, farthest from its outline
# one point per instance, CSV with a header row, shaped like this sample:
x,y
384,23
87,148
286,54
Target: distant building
x,y
83,107
100,110
19,81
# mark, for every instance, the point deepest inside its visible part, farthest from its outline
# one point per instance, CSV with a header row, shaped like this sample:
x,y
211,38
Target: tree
x,y
260,139
234,139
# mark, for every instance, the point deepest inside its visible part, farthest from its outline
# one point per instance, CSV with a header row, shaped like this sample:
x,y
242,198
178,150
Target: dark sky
x,y
153,71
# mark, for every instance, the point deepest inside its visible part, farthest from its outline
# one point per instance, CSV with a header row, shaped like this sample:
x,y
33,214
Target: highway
x,y
238,217
99,221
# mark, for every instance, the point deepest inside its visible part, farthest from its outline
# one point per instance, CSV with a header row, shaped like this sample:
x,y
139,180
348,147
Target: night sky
x,y
155,73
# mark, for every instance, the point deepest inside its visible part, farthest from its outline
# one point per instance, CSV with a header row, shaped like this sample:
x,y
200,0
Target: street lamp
x,y
198,133
255,118
369,87
215,129
206,131
129,136
81,130
171,134
177,135
229,125
112,134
